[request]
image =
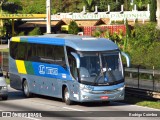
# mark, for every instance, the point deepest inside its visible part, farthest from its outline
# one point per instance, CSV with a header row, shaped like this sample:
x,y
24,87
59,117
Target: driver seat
x,y
84,72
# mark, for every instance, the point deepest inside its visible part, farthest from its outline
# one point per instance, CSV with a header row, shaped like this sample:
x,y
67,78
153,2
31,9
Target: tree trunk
x,y
158,13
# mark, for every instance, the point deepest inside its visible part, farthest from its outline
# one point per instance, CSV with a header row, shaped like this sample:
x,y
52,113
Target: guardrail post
x,y
130,75
138,76
153,79
2,60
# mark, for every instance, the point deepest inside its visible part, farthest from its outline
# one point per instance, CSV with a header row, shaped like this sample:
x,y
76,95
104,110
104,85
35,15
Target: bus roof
x,y
80,43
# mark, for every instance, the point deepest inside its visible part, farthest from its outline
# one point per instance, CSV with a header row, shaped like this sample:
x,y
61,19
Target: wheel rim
x,y
66,95
25,88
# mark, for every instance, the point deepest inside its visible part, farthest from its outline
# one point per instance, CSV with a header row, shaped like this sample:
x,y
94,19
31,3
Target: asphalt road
x,y
48,108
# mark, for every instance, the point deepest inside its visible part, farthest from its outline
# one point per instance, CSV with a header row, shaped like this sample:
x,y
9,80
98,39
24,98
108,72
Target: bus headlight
x,y
120,89
85,88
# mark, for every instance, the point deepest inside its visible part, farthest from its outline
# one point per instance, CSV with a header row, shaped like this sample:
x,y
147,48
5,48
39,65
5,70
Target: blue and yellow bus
x,y
71,67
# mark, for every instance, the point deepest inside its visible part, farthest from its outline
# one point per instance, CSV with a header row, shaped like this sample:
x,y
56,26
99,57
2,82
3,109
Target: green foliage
x,y
153,8
39,6
2,31
116,37
128,29
36,6
21,33
102,5
144,45
73,28
97,33
145,35
126,5
35,31
147,57
141,4
12,6
89,4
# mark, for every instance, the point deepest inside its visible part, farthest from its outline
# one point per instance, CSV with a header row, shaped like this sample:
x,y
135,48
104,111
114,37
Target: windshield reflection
x,y
100,68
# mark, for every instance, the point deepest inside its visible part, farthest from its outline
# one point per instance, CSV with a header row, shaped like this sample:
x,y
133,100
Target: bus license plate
x,y
104,97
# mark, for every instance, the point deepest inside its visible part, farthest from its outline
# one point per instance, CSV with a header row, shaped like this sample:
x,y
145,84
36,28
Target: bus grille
x,y
105,92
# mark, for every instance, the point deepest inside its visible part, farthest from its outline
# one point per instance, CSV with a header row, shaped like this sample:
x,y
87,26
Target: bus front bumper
x,y
96,96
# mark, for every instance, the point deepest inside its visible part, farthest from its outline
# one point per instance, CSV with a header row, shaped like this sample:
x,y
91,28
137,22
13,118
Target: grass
x,y
8,81
4,50
142,102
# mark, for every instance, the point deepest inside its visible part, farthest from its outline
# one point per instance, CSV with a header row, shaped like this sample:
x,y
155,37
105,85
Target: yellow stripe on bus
x,y
16,39
21,66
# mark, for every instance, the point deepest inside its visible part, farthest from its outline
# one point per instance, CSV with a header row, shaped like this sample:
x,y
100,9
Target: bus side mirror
x,y
127,58
77,59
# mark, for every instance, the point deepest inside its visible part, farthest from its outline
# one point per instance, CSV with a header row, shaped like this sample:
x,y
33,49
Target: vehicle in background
x,y
3,40
3,87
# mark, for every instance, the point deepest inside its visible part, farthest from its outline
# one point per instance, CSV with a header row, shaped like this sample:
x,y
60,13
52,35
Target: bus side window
x,y
14,50
72,64
21,51
29,52
59,55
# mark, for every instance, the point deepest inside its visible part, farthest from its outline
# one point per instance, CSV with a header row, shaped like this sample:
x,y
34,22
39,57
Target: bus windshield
x,y
101,68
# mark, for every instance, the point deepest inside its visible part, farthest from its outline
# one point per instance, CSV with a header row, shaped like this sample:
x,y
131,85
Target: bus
x,y
70,67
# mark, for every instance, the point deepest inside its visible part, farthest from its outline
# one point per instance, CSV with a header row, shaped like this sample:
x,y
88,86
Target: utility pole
x,y
48,16
1,21
158,13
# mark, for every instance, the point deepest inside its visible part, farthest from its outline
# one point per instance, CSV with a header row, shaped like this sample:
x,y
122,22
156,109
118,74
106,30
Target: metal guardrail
x,y
146,71
152,83
142,93
4,61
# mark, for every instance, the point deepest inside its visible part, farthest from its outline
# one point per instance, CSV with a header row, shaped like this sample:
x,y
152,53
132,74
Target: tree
x,y
142,4
128,35
102,5
35,31
89,4
158,13
34,6
73,28
126,5
12,6
153,8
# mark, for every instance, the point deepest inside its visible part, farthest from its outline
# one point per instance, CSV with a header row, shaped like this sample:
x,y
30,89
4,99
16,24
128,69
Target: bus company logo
x,y
48,70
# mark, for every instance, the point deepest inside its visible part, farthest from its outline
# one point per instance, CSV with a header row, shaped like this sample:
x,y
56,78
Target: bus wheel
x,y
66,97
26,89
5,97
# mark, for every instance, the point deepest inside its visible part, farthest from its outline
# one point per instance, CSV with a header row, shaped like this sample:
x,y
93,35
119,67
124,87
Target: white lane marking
x,y
72,109
31,118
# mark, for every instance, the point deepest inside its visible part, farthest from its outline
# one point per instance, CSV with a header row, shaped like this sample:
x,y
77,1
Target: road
x,y
51,108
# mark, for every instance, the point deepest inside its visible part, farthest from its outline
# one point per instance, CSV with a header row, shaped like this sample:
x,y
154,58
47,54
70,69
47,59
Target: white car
x,y
3,87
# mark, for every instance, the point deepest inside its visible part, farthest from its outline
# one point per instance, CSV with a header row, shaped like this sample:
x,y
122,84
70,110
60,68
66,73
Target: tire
x,y
67,97
4,97
26,89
